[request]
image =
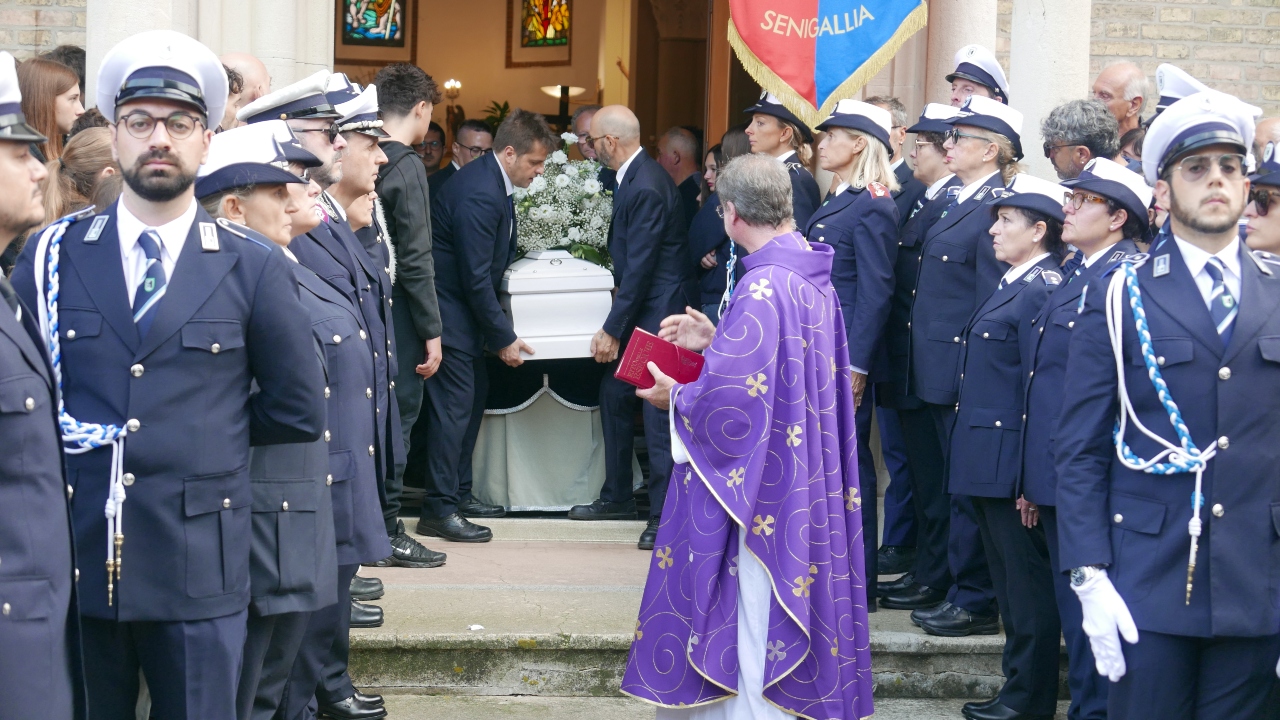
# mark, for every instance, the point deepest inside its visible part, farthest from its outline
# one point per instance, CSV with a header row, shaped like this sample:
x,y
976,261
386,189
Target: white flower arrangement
x,y
566,208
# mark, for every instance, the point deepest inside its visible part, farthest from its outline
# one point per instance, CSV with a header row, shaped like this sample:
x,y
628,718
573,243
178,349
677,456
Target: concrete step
x,y
548,609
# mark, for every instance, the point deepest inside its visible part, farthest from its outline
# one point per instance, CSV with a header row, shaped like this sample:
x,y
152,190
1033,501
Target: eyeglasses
x,y
1048,149
592,140
1078,199
179,125
475,151
433,144
1262,199
330,132
1194,168
304,174
954,136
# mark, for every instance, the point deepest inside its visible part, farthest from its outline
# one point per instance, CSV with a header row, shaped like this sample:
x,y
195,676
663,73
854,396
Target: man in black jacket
x,y
472,141
474,224
406,96
648,244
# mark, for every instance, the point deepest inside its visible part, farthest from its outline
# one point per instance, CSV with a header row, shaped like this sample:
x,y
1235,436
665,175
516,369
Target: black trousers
x,y
929,495
618,403
1173,677
1019,562
320,669
270,647
869,488
1088,688
410,351
972,588
446,432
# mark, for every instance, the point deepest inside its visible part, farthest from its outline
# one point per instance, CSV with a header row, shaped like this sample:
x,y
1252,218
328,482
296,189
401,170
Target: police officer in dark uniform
x,y
926,584
293,567
959,271
985,456
860,222
977,73
40,672
1170,518
774,130
165,320
1105,214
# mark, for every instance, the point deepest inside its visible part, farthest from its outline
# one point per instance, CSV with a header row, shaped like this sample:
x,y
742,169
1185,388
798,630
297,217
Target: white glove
x,y
1106,620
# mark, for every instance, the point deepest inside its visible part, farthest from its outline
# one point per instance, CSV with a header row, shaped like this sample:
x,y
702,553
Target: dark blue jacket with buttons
x,y
860,224
1043,338
958,271
909,195
1137,522
39,622
985,441
230,317
805,196
707,234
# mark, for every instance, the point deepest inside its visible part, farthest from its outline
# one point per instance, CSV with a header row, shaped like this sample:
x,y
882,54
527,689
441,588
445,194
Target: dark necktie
x,y
147,297
1222,305
10,297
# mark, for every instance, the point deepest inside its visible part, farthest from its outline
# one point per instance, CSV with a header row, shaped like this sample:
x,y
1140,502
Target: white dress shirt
x,y
506,181
1089,260
972,187
1023,269
622,171
1196,259
937,186
173,235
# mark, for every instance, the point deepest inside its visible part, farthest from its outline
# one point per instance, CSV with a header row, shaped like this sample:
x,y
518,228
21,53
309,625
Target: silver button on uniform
x,y
328,479
986,335
326,436
136,371
1160,360
1217,510
127,479
370,449
1223,442
997,423
70,491
285,506
1071,323
71,334
326,393
215,348
1118,518
1224,373
368,392
226,502
363,336
6,608
30,404
133,425
337,339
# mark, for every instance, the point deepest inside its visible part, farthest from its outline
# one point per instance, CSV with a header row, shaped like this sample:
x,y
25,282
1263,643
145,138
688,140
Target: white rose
x,y
558,158
596,222
538,184
562,181
575,234
591,186
546,211
569,137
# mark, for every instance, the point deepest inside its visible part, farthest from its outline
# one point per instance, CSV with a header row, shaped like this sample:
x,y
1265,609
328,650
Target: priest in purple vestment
x,y
755,605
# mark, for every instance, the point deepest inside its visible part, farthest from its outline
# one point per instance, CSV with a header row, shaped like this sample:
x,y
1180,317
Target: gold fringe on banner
x,y
771,81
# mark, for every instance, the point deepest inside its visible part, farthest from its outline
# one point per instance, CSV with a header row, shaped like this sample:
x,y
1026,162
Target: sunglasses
x,y
1262,199
954,136
1048,149
1078,199
330,132
1194,168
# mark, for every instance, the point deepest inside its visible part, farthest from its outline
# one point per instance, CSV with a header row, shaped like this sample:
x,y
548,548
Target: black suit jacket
x,y
436,180
402,185
475,241
909,192
689,190
648,244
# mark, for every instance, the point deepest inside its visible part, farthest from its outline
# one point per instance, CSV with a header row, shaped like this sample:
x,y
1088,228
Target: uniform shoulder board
x,y
1052,277
878,190
794,166
1265,261
236,229
82,214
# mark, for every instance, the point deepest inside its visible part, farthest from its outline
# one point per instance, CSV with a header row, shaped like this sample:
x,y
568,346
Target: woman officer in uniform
x,y
776,131
860,221
986,448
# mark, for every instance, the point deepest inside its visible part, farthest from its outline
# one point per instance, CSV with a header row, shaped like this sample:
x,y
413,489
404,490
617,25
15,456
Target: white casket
x,y
556,302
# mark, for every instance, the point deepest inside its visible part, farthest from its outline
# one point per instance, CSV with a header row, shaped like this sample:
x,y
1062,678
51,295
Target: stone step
x,y
548,609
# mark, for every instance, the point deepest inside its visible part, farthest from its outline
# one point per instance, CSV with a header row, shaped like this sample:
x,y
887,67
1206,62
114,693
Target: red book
x,y
678,363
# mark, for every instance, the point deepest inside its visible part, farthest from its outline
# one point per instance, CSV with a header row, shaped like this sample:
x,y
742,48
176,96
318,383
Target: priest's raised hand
x,y
691,331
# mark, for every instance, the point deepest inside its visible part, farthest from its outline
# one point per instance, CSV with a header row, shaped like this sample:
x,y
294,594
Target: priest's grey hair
x,y
759,188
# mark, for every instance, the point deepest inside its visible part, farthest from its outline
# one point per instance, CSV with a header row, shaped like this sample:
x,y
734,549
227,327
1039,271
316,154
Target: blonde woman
x,y
777,132
860,222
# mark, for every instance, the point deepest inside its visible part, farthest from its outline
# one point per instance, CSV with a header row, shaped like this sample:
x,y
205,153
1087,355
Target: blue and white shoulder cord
x,y
79,437
1182,458
728,277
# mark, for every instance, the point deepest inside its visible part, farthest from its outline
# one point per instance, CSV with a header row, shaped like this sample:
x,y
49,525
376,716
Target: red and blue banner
x,y
813,53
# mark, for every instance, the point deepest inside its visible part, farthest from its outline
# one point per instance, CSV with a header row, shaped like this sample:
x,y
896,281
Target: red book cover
x,y
678,363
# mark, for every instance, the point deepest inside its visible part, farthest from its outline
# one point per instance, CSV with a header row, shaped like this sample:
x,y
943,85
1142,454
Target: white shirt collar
x,y
288,253
841,187
622,171
455,164
937,185
1089,260
972,187
506,181
1196,259
786,156
1023,269
898,163
173,234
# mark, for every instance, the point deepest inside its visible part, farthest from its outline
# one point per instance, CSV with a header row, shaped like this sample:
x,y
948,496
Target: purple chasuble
x,y
769,432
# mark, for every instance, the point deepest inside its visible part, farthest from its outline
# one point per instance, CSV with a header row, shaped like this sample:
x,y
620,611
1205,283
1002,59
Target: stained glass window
x,y
373,22
544,23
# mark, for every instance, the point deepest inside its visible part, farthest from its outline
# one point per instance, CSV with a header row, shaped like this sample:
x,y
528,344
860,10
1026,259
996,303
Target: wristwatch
x,y
1084,573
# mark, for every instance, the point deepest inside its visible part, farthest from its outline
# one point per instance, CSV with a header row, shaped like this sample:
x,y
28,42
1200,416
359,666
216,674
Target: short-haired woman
x,y
51,101
776,131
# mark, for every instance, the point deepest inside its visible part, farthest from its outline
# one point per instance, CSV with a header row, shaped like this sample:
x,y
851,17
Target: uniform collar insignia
x,y
1162,266
95,230
209,237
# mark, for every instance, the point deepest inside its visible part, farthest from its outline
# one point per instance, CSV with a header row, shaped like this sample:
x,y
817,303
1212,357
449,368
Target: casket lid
x,y
554,271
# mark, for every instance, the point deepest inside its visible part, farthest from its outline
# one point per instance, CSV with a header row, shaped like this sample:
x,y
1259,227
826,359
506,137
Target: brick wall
x,y
30,27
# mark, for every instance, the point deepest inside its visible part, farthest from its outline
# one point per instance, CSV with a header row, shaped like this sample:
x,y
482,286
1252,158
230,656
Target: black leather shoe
x,y
473,508
895,586
958,622
455,528
914,597
895,559
365,589
975,705
1000,711
601,510
365,616
650,534
919,616
368,699
352,709
407,552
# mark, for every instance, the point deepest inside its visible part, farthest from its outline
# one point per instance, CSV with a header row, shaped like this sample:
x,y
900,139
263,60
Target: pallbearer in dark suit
x,y
986,454
776,131
1105,213
649,248
1171,526
474,233
958,272
293,566
40,671
166,321
927,584
860,221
